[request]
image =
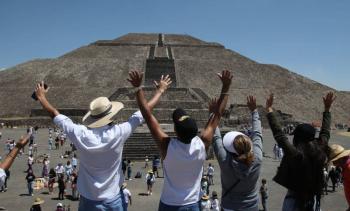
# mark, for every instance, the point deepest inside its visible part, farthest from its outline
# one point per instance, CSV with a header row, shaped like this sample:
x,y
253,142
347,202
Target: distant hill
x,y
100,68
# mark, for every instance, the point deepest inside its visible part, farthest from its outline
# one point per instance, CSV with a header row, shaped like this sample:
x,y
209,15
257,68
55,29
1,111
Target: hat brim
x,y
38,202
228,140
342,154
92,122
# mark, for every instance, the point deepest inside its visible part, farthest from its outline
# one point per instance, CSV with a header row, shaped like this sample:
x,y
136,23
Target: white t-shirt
x,y
127,194
100,154
210,170
30,160
2,177
183,168
215,205
59,169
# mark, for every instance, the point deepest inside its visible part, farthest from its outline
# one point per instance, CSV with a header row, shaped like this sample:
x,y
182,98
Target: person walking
x,y
215,206
240,161
301,168
129,169
210,173
52,180
99,144
68,168
61,187
30,182
46,166
264,195
150,180
186,152
156,165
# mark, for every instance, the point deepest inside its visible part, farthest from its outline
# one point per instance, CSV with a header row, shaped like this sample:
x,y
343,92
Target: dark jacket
x,y
291,168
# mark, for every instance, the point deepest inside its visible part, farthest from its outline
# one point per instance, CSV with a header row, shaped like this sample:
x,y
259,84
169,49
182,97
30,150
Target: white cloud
x,y
2,68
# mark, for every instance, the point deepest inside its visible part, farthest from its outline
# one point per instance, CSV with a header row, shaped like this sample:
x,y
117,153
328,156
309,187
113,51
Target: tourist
x,y
68,169
240,161
124,164
264,194
333,176
301,168
52,180
205,203
100,145
341,158
59,170
210,173
204,186
127,197
215,206
50,142
129,169
45,171
75,194
30,182
59,207
61,187
36,205
75,161
183,157
150,180
325,180
146,162
156,165
275,151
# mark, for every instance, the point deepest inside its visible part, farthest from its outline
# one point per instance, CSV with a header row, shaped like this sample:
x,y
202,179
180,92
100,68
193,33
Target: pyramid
x,y
101,69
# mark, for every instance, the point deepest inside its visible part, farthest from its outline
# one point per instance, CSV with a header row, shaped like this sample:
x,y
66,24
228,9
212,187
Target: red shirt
x,y
346,178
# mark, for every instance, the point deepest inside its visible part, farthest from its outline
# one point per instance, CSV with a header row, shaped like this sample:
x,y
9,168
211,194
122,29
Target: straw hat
x,y
101,112
124,185
228,140
38,201
338,152
205,197
150,171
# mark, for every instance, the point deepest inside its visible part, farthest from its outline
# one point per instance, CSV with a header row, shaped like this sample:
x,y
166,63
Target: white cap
x,y
228,140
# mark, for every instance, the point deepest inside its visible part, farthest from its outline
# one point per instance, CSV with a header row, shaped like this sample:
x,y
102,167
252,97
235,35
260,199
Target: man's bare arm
x,y
40,92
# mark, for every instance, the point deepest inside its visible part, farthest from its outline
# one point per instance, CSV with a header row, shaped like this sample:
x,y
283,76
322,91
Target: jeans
x,y
30,188
264,204
114,204
190,207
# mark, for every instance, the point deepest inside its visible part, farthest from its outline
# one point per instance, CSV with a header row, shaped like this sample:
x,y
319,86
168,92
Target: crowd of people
x,y
101,184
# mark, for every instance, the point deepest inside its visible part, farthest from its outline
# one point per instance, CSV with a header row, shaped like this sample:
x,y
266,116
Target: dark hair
x,y
185,127
314,155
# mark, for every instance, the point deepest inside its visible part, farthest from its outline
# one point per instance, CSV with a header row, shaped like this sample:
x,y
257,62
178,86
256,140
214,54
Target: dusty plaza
x,y
16,198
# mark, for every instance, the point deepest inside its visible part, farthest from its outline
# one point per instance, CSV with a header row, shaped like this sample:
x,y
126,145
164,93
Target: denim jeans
x,y
114,204
190,207
30,188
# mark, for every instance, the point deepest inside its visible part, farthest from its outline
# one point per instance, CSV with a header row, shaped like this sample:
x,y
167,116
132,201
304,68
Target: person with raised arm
x,y
301,168
183,156
100,146
11,156
240,161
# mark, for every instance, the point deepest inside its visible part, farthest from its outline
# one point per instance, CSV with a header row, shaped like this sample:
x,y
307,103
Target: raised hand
x,y
40,90
328,100
163,83
226,78
135,78
251,103
23,141
269,103
213,105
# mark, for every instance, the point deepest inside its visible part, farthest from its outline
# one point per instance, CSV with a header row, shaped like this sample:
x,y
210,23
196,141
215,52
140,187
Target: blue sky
x,y
309,37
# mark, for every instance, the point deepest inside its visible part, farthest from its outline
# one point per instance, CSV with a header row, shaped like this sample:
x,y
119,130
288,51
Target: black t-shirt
x,y
30,178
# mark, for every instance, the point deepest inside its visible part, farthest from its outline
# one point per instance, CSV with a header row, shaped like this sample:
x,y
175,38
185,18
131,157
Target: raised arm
x,y
6,164
40,92
280,137
256,126
161,139
326,121
218,108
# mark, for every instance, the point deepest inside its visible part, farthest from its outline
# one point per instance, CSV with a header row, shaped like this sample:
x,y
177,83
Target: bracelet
x,y
136,89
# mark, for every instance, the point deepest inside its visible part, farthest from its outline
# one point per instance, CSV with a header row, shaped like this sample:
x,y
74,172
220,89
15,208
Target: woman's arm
x,y
280,137
161,138
326,122
6,164
218,108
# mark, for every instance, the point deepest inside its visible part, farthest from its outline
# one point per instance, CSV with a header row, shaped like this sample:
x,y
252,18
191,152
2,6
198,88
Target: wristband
x,y
136,89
